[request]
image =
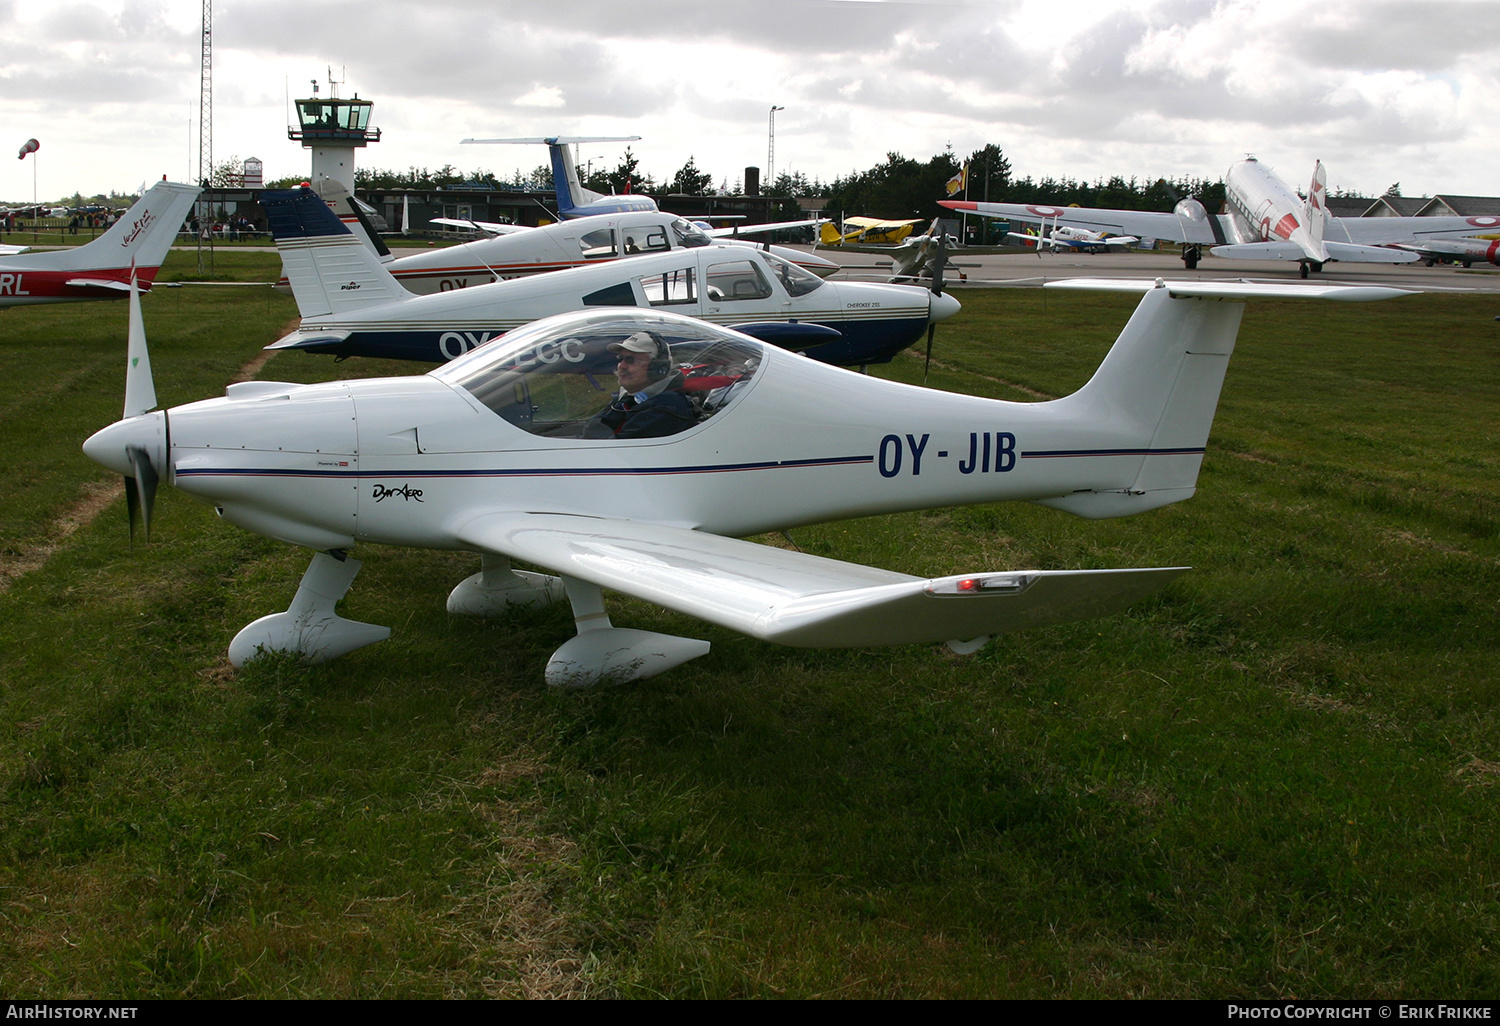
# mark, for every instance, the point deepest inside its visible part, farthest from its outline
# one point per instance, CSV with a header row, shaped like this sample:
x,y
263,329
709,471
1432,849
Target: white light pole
x,y
771,151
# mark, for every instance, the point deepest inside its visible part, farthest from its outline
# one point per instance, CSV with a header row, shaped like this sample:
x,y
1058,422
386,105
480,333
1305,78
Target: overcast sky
x,y
1382,91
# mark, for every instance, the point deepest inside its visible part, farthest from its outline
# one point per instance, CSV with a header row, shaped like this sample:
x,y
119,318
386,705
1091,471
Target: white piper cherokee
x,y
525,449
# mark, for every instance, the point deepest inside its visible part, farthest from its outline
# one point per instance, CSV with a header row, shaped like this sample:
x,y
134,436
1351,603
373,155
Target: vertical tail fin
x,y
570,193
348,210
1317,205
330,271
1154,396
142,236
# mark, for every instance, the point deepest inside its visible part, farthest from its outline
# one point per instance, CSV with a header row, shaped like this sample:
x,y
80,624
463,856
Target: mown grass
x,y
1277,779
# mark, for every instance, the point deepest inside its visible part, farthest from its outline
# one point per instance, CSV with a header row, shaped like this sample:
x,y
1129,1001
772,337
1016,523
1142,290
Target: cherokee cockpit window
x,y
555,377
688,234
798,281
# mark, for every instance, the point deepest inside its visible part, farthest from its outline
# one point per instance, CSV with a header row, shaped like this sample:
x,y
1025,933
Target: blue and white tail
x,y
330,270
1161,380
573,200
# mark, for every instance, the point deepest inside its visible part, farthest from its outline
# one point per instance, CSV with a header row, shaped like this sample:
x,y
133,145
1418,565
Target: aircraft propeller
x,y
129,445
939,265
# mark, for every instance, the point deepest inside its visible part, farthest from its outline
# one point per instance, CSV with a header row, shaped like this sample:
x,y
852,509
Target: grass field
x,y
1279,778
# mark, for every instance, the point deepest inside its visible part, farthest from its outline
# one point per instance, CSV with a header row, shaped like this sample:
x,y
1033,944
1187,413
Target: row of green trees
x,y
898,187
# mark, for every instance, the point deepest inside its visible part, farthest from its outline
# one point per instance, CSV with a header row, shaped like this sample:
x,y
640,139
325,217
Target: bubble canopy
x,y
555,376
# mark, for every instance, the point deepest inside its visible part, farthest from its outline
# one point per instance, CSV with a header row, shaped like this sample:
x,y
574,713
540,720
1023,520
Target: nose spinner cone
x,y
110,447
940,308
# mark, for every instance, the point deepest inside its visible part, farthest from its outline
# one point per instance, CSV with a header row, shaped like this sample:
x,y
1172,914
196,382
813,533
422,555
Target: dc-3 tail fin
x,y
1161,381
329,269
141,236
1317,205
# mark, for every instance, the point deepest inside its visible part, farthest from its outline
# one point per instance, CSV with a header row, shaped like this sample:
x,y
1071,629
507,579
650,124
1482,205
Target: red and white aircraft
x,y
1463,251
102,268
1266,220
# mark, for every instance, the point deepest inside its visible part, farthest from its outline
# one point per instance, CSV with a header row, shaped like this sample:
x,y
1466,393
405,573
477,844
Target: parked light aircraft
x,y
352,306
497,453
573,200
1266,221
575,243
1067,237
866,229
516,250
1463,251
101,269
914,258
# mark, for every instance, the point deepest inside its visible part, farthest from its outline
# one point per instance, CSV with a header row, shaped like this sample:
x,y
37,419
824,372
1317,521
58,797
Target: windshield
x,y
797,281
558,377
688,234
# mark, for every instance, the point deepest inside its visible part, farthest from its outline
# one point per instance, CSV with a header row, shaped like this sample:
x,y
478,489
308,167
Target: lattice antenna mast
x,y
206,98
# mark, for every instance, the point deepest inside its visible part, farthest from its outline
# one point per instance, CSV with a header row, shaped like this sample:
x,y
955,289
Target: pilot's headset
x,y
661,371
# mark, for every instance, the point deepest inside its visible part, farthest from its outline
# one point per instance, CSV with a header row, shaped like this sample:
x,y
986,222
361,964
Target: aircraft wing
x,y
1375,231
1144,224
755,229
793,598
868,223
491,227
9,250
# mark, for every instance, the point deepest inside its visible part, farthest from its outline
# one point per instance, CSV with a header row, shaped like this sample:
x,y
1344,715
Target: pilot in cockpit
x,y
648,405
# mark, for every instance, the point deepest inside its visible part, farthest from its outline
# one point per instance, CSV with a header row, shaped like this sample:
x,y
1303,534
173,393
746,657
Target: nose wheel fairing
x,y
310,626
599,654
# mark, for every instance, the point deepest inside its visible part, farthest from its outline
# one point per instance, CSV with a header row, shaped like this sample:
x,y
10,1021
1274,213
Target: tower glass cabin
x,y
332,120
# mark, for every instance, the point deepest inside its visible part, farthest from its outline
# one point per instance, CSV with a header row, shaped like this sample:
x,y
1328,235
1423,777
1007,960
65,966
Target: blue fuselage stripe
x,y
718,468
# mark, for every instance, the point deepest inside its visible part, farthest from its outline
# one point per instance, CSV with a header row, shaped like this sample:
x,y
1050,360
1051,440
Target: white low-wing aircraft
x,y
101,269
580,242
1266,221
351,305
1067,237
523,450
518,251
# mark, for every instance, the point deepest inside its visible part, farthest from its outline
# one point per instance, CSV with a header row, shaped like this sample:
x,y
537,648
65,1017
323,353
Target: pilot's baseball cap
x,y
640,342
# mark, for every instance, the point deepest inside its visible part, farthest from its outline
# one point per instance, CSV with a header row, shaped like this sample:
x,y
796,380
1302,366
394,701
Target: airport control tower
x,y
333,129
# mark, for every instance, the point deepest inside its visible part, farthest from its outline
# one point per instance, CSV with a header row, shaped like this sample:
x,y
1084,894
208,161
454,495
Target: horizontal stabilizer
x,y
793,598
1260,251
321,340
1368,254
558,140
108,284
1235,289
